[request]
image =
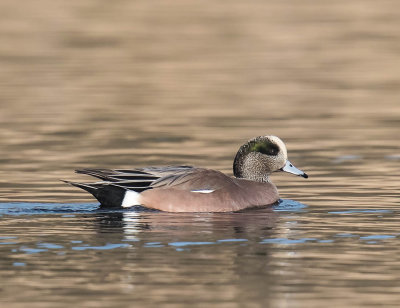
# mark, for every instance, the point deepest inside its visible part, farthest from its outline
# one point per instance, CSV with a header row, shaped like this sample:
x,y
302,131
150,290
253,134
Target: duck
x,y
194,189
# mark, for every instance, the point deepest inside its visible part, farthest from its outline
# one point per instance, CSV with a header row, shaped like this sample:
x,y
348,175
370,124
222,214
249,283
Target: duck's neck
x,y
245,169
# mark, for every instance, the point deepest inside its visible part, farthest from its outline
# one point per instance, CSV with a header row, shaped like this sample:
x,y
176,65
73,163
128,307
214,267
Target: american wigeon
x,y
191,189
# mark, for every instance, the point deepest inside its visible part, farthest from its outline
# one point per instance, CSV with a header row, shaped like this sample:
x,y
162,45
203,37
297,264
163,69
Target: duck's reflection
x,y
139,225
220,255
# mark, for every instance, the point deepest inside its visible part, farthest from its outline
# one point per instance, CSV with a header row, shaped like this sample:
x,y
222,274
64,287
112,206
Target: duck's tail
x,y
109,195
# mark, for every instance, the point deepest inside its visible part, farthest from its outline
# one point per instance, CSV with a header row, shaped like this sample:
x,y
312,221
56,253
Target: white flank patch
x,y
131,198
203,191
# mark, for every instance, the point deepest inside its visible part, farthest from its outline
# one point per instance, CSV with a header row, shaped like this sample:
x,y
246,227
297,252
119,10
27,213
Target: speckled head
x,y
261,156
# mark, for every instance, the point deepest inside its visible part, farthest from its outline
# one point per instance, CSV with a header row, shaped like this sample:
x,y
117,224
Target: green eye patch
x,y
263,147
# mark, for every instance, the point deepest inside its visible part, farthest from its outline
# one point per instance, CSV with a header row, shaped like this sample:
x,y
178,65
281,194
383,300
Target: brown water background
x,y
133,83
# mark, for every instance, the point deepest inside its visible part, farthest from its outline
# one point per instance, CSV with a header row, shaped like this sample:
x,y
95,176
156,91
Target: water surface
x,y
123,84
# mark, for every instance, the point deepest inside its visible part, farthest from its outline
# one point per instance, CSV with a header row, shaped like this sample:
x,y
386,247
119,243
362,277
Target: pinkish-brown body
x,y
175,200
230,195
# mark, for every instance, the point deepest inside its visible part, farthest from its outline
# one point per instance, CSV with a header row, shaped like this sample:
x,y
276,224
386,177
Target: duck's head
x,y
261,156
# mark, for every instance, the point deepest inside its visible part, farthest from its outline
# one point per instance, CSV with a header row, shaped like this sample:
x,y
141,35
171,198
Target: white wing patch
x,y
131,198
203,191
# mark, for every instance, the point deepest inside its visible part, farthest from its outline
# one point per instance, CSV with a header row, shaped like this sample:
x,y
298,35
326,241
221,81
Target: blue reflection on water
x,y
49,246
153,244
19,264
69,209
105,247
345,235
287,205
183,244
27,208
286,241
232,240
30,251
377,237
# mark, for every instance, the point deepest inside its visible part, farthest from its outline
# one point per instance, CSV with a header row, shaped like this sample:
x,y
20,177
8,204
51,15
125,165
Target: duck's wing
x,y
195,179
115,182
134,178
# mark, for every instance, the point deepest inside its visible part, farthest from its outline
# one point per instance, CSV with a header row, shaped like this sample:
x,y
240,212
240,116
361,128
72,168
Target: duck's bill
x,y
288,167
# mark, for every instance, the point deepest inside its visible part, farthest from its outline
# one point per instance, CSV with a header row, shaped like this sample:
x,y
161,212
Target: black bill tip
x,y
304,175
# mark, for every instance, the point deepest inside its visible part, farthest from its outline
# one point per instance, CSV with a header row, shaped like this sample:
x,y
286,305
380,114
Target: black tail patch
x,y
109,196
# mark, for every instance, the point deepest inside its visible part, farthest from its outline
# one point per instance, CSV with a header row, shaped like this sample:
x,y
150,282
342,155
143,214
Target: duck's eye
x,y
266,148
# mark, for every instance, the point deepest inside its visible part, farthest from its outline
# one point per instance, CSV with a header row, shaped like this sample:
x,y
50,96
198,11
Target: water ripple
x,y
105,247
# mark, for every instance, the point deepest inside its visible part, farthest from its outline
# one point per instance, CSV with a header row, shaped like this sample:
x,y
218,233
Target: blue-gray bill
x,y
288,167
